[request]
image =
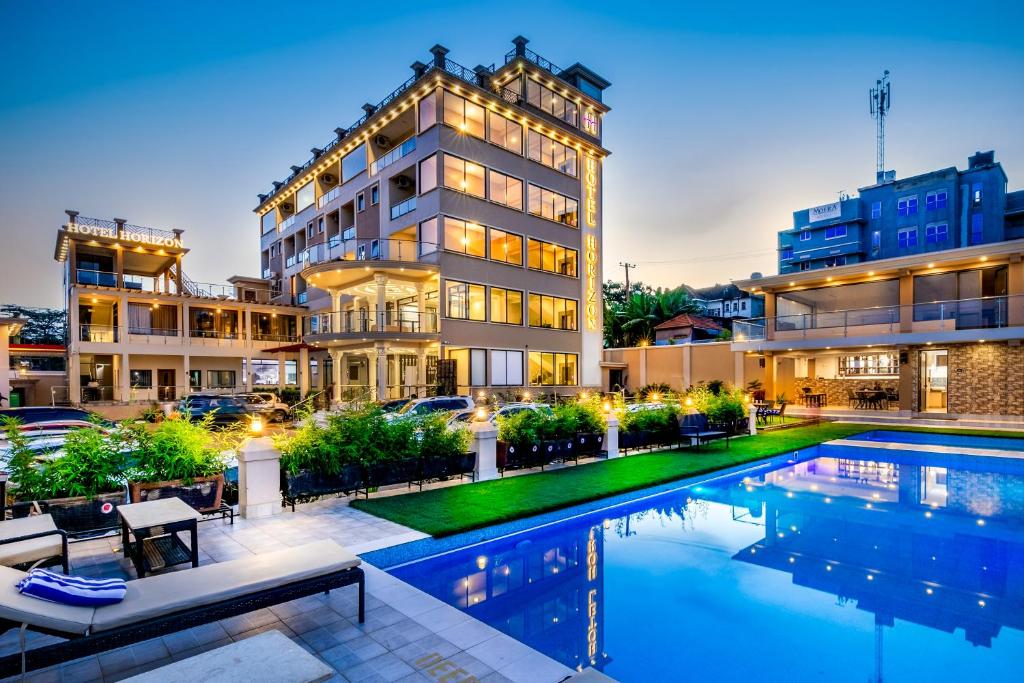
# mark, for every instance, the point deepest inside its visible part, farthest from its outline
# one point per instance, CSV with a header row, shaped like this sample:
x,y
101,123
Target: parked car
x,y
464,417
432,404
46,417
267,404
225,409
395,405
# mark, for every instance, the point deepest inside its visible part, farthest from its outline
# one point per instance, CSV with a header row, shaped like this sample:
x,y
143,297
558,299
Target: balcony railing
x,y
957,314
402,208
99,278
373,320
301,298
289,262
97,333
212,334
368,250
274,337
327,197
267,273
286,223
394,154
154,331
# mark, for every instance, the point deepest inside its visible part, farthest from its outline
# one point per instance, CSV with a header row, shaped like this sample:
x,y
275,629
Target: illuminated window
x,y
544,150
428,111
353,163
506,247
552,369
548,101
464,176
304,197
551,258
428,174
464,237
504,189
553,206
505,133
471,371
465,301
428,236
141,379
506,371
552,312
463,115
506,306
869,364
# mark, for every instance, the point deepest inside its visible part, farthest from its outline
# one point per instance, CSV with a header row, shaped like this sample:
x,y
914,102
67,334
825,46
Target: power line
x,y
698,259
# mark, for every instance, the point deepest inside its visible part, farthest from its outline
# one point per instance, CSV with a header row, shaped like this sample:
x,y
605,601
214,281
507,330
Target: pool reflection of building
x,y
549,596
938,546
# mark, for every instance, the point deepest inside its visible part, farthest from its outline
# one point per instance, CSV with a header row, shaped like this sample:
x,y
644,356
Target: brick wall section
x,y
836,389
986,379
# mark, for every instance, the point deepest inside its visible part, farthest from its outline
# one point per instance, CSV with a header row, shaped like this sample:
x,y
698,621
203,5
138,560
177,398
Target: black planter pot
x,y
567,450
461,465
403,471
78,516
588,443
308,484
547,453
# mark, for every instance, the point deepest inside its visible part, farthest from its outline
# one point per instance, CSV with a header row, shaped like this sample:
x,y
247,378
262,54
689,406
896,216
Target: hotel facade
x,y
935,320
451,238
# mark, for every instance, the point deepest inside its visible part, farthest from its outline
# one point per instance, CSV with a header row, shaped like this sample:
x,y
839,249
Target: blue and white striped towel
x,y
72,590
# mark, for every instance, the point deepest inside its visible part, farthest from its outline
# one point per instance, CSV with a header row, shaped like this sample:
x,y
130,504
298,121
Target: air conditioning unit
x,y
287,208
382,141
328,179
403,182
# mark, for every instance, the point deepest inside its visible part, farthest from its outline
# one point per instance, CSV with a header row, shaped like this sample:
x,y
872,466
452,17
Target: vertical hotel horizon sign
x,y
591,171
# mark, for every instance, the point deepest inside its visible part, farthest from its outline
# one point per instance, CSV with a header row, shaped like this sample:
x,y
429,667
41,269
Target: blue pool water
x,y
834,564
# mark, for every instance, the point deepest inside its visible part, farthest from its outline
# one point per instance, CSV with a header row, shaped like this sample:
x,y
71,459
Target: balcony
x,y
373,322
97,333
286,223
97,278
394,154
368,250
328,197
402,208
938,320
290,261
268,274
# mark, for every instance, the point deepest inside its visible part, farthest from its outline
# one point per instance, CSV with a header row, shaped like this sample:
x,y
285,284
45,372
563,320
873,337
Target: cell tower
x,y
881,98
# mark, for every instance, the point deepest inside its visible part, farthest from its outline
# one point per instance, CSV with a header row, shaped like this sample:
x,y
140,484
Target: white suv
x,y
433,404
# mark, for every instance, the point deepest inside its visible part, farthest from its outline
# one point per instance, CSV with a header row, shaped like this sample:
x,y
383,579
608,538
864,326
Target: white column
x,y
74,375
421,313
611,437
280,370
259,479
186,368
485,445
421,372
124,379
122,319
303,370
382,290
752,419
336,360
379,370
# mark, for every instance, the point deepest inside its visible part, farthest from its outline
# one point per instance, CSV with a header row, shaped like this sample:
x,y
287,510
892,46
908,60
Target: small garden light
x,y
655,397
481,414
689,401
256,424
607,406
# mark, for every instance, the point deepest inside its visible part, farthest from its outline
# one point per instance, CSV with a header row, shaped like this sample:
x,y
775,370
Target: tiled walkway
x,y
406,635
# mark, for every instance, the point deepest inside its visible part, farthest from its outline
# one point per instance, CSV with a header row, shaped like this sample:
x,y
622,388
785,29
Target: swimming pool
x,y
836,563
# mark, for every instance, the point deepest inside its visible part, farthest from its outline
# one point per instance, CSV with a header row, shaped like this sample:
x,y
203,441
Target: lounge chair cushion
x,y
34,549
162,594
48,615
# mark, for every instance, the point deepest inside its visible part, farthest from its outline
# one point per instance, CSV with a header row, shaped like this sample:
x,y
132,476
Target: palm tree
x,y
631,321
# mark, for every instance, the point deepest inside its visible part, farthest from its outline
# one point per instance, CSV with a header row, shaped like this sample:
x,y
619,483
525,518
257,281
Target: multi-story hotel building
x,y
451,237
938,330
140,330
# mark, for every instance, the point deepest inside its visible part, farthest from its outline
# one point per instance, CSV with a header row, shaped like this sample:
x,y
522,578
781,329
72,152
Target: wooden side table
x,y
155,525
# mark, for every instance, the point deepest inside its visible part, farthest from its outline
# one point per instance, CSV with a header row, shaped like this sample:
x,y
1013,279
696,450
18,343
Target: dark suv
x,y
225,409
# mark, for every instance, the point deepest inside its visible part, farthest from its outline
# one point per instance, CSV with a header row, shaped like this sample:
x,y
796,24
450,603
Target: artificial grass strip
x,y
442,512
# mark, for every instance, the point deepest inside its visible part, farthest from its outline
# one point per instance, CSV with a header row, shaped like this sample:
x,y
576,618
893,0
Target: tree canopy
x,y
41,325
630,321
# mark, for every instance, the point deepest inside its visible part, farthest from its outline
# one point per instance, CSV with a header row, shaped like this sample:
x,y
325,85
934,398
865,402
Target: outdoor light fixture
x,y
256,425
689,401
481,562
655,397
607,406
481,414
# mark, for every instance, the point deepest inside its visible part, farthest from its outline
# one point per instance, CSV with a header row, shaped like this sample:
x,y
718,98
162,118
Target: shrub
x,y
92,464
584,415
27,481
656,420
178,449
522,427
438,441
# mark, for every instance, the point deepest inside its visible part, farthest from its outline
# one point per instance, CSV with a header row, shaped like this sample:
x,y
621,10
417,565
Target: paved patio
x,y
405,634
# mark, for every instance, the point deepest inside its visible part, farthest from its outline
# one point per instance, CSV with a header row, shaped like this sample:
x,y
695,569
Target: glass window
x,y
544,150
876,209
553,206
428,174
506,368
464,176
786,253
935,234
428,236
906,238
428,111
506,247
463,115
977,228
552,312
269,221
805,235
505,133
936,200
464,237
907,206
221,379
867,303
835,231
374,195
977,194
869,364
465,301
876,242
353,163
547,100
360,202
304,196
506,306
141,379
552,369
551,258
505,189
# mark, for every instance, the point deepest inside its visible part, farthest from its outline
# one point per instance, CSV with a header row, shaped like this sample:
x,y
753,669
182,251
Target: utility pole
x,y
627,266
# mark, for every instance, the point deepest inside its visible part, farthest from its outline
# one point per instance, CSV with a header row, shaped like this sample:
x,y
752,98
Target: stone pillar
x,y
752,419
124,378
336,359
485,445
186,383
611,437
259,479
769,315
380,362
74,378
121,324
906,292
281,370
421,372
382,291
303,371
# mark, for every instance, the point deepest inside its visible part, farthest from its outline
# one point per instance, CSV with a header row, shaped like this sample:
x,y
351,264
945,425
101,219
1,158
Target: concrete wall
x,y
682,365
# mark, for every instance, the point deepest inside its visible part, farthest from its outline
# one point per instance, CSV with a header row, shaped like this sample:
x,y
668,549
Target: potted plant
x,y
324,460
179,459
80,487
443,451
518,440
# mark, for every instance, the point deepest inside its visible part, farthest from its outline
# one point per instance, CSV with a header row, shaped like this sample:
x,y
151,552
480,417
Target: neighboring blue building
x,y
933,211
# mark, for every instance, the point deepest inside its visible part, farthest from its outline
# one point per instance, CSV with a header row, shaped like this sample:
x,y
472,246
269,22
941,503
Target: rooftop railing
x,y
368,250
956,314
534,58
126,229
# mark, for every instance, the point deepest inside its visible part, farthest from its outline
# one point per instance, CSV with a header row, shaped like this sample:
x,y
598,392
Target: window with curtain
x,y
506,368
549,101
506,306
470,367
428,236
428,111
464,237
464,176
551,258
221,379
465,301
428,174
504,189
553,206
553,154
141,379
553,369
